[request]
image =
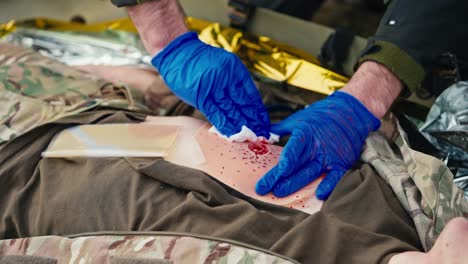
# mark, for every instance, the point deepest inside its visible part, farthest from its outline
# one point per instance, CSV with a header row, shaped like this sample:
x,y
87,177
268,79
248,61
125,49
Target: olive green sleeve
x,y
414,34
410,72
121,3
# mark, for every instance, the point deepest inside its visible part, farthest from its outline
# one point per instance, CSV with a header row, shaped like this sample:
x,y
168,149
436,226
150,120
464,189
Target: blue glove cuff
x,y
172,47
372,123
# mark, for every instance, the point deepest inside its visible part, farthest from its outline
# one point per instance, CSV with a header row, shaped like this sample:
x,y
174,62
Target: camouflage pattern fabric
x,y
35,89
422,183
138,249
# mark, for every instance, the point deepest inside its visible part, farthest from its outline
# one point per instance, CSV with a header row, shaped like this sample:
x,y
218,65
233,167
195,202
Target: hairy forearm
x,y
158,23
375,86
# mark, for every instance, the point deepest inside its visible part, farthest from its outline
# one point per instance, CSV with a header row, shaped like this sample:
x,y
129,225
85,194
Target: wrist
x,y
158,23
375,86
362,120
178,49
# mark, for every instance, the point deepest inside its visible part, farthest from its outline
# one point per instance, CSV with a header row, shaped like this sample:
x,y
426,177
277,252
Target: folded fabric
x,y
188,142
43,196
423,184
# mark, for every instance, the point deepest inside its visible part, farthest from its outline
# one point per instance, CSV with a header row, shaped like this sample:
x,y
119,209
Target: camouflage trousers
x,y
132,248
422,183
35,90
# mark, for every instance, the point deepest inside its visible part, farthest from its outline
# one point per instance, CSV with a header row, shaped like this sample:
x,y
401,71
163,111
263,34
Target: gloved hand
x,y
215,82
326,137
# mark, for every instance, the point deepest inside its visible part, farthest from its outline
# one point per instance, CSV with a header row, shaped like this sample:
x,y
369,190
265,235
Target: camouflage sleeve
x,y
121,3
423,184
134,247
35,89
412,35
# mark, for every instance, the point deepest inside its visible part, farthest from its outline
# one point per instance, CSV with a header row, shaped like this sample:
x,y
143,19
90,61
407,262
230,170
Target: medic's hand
x,y
215,82
326,137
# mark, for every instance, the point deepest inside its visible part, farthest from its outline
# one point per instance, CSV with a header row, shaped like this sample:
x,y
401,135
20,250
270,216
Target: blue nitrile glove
x,y
215,82
326,137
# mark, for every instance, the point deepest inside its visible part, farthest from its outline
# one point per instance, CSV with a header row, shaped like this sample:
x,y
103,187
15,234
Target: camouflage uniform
x,y
137,248
35,90
422,183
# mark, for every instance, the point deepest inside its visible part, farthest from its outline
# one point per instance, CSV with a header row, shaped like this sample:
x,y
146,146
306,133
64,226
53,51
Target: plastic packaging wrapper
x,y
113,43
446,128
76,50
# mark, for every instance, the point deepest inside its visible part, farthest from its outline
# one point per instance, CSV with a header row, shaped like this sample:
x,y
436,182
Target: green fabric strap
x,y
396,60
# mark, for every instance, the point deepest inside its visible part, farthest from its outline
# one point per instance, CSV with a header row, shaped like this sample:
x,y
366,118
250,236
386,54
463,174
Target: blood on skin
x,y
231,163
258,148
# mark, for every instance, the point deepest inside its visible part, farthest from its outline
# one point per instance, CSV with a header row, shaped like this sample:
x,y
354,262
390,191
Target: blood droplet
x,y
258,148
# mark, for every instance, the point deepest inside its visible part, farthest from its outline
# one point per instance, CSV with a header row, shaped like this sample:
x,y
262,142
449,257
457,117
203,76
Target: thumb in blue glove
x,y
215,82
326,137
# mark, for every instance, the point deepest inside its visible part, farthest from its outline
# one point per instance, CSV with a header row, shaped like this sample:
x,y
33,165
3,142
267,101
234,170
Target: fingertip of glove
x,y
261,188
280,191
322,193
324,189
278,129
329,183
263,131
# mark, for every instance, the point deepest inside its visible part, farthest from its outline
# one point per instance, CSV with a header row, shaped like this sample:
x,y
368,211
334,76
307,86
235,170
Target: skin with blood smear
x,y
238,165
